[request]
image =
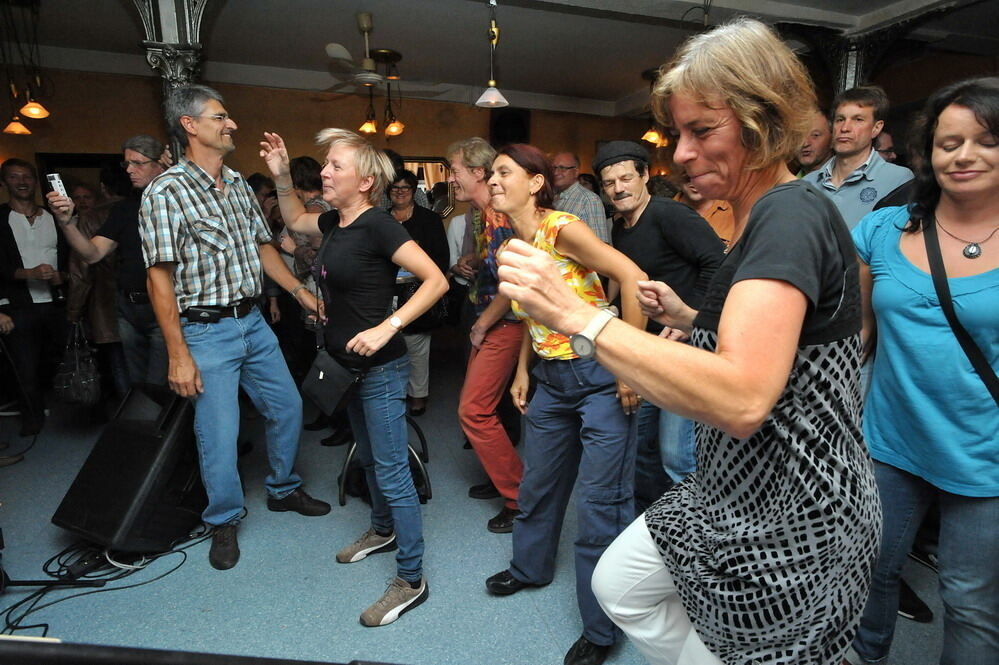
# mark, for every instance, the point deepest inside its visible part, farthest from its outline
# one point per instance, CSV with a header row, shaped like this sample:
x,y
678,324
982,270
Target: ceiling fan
x,y
377,67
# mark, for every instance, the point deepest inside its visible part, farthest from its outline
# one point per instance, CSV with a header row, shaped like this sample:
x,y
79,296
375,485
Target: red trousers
x,y
489,370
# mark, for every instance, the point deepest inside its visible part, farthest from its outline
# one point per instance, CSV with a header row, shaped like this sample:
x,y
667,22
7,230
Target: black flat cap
x,y
613,152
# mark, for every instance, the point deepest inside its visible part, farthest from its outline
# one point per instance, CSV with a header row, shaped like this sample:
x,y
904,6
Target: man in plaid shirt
x,y
204,240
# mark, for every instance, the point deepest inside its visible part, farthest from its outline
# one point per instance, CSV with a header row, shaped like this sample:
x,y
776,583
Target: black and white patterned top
x,y
772,540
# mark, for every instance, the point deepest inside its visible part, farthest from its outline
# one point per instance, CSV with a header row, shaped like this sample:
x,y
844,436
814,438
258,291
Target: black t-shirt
x,y
672,244
795,234
359,281
427,229
122,226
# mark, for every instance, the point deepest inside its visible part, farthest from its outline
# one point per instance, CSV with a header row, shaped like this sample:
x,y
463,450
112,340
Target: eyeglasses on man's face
x,y
563,169
221,117
136,162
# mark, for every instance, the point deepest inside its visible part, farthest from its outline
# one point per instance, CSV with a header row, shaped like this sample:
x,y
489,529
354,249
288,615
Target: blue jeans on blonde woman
x,y
232,354
969,570
377,412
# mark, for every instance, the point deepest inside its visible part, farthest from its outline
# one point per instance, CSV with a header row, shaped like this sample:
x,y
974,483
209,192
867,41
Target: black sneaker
x,y
912,606
484,491
224,553
322,421
300,502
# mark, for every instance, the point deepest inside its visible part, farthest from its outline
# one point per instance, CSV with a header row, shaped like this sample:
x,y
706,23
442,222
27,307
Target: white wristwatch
x,y
395,322
584,343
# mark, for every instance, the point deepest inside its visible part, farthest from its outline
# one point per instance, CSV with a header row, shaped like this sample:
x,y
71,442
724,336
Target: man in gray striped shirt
x,y
204,240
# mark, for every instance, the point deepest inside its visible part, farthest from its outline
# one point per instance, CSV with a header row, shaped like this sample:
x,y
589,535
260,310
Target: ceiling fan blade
x,y
338,52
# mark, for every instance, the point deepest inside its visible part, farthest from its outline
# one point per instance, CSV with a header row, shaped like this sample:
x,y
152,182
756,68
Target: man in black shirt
x,y
672,244
141,337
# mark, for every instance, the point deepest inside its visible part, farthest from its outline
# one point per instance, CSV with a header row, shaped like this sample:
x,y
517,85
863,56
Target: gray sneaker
x,y
398,599
369,543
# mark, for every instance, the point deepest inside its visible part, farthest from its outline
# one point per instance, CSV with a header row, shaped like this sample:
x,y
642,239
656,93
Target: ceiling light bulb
x,y
492,98
15,127
395,128
368,127
652,136
34,110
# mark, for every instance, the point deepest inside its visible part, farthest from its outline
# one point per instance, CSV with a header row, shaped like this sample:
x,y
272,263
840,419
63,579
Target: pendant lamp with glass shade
x,y
369,126
393,127
492,98
33,109
15,127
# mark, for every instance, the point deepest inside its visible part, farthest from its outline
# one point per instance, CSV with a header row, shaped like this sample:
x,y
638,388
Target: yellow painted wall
x,y
95,112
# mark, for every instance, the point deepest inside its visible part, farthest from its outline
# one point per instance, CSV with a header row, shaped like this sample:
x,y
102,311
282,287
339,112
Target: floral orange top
x,y
547,343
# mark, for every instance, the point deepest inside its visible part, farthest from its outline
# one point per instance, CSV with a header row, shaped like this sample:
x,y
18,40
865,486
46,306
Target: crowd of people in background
x,y
766,375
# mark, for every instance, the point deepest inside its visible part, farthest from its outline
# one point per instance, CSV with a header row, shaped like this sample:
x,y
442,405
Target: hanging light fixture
x,y
652,134
392,125
15,127
369,126
492,98
33,109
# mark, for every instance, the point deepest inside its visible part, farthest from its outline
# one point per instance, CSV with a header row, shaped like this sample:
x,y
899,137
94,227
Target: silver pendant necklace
x,y
972,249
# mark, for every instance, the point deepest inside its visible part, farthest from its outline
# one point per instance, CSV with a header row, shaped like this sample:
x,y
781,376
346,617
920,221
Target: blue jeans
x,y
377,412
667,453
969,569
142,339
575,426
677,445
232,354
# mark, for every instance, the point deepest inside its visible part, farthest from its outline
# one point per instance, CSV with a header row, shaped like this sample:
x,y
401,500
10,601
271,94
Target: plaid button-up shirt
x,y
213,235
581,202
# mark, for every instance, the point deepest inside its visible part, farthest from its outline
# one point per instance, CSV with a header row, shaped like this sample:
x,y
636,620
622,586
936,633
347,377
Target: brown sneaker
x,y
369,543
398,599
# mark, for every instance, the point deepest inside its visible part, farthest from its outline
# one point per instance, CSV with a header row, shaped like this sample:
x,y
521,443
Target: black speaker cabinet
x,y
140,489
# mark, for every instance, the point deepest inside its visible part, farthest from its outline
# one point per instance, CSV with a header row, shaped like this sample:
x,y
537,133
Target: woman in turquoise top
x,y
930,422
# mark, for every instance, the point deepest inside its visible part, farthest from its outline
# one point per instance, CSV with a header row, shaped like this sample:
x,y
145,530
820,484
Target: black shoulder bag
x,y
971,349
328,383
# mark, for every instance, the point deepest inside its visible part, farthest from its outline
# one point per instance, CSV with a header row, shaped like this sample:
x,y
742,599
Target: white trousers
x,y
636,591
419,364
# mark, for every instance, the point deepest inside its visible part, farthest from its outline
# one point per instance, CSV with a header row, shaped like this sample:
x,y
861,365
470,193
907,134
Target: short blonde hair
x,y
744,65
368,160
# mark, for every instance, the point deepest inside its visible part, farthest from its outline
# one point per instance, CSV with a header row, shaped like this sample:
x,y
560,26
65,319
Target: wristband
x,y
294,291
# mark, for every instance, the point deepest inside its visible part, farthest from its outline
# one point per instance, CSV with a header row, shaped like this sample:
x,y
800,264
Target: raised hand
x,y
275,154
61,206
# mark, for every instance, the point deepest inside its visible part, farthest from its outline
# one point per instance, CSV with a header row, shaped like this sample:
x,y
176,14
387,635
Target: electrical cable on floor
x,y
83,562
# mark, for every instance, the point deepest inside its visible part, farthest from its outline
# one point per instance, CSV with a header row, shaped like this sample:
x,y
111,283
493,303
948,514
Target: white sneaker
x,y
398,599
369,543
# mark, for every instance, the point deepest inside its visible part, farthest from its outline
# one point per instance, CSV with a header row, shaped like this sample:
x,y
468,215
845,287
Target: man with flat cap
x,y
672,244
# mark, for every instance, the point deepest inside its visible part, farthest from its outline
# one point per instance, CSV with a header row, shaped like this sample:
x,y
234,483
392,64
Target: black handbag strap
x,y
939,274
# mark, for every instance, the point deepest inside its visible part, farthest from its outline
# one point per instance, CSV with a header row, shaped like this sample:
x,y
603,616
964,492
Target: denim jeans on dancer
x,y
667,453
969,569
377,412
575,427
232,354
142,340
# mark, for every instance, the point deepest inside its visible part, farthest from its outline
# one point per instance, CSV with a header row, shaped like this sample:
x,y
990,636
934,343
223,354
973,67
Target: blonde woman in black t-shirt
x,y
357,274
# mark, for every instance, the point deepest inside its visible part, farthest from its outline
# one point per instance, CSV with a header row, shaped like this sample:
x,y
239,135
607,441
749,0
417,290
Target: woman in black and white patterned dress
x,y
763,555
